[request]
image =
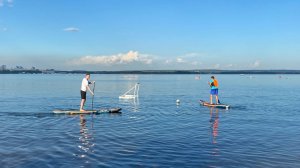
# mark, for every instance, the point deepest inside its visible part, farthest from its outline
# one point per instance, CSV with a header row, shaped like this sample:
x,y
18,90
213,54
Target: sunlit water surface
x,y
260,130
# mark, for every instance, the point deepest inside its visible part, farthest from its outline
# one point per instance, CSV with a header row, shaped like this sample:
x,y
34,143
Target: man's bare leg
x,y
217,99
82,104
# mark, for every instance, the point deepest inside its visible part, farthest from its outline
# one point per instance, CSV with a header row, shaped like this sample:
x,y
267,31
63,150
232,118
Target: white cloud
x,y
3,29
229,66
179,60
217,66
121,58
10,3
71,29
189,60
195,63
134,60
192,55
168,61
256,64
192,58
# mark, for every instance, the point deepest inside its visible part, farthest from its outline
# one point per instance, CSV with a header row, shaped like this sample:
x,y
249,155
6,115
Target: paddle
x,y
93,96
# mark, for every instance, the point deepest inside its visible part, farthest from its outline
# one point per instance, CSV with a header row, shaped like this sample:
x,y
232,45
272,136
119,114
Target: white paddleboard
x,y
225,106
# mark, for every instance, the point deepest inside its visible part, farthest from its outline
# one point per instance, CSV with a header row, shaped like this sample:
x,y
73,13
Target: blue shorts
x,y
214,91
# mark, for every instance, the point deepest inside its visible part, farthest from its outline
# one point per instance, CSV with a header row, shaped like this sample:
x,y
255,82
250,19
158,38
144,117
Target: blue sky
x,y
150,34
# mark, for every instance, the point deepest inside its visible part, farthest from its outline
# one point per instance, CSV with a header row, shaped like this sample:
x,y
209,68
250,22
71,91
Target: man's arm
x,y
89,89
209,83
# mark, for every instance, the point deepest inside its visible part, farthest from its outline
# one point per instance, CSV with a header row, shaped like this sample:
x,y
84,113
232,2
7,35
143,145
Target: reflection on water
x,y
159,134
214,121
130,77
214,125
134,104
86,138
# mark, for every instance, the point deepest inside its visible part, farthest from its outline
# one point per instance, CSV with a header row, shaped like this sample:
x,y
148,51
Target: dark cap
x,y
212,77
87,73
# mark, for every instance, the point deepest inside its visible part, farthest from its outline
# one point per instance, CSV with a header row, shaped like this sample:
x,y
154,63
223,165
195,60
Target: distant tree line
x,y
36,71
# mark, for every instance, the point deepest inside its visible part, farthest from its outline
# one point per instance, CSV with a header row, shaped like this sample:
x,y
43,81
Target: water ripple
x,y
260,130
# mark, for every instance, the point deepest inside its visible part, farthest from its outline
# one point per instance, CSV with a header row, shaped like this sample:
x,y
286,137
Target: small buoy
x,y
177,101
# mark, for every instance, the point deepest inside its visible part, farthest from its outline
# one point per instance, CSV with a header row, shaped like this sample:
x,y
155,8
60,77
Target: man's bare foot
x,y
82,110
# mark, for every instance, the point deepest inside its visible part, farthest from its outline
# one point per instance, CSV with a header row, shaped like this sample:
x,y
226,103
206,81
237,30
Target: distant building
x,y
3,68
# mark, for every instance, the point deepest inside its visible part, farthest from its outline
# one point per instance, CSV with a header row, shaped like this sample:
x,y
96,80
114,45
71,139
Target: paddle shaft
x,y
93,96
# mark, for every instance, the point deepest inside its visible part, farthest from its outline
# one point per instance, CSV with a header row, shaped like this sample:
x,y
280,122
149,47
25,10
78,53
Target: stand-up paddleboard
x,y
103,110
204,103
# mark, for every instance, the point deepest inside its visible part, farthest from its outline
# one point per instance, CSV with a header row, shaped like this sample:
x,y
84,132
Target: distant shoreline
x,y
155,72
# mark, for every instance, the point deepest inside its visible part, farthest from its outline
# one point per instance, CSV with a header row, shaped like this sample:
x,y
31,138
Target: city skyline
x,y
150,35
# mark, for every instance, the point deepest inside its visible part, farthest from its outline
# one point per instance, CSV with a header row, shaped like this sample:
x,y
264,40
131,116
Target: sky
x,y
150,34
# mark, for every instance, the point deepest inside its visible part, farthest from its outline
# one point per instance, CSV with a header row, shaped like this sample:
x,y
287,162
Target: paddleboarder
x,y
214,85
84,87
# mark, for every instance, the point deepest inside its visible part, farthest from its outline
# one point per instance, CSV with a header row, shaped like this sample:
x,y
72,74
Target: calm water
x,y
261,129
